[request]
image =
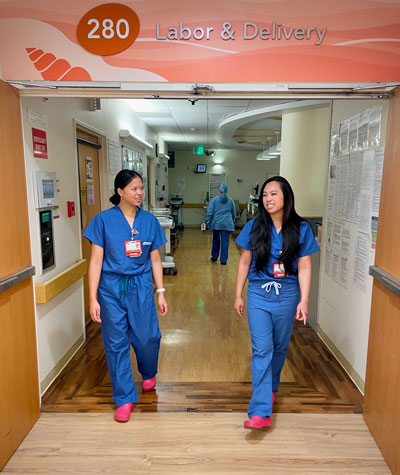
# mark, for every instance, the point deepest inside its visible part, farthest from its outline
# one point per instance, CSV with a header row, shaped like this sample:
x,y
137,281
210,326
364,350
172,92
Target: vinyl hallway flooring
x,y
204,363
202,443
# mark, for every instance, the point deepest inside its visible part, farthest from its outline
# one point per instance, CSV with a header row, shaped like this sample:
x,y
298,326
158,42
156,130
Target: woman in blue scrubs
x,y
276,259
220,218
124,260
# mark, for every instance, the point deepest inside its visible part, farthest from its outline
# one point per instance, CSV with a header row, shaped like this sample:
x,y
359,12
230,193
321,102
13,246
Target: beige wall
x,y
304,156
235,163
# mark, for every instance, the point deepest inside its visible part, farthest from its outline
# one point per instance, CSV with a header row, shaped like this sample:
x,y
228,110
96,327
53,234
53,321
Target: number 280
x,y
108,28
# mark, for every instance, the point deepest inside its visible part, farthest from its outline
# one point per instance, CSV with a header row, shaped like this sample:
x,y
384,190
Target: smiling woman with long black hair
x,y
276,258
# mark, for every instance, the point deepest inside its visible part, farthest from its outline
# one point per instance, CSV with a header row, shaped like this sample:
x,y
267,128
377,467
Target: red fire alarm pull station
x,y
71,209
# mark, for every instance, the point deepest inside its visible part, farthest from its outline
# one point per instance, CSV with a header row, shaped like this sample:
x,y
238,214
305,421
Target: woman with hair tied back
x,y
276,259
220,218
125,258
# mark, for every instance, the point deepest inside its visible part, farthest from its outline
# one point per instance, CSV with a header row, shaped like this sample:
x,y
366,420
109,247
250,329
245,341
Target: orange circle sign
x,y
108,29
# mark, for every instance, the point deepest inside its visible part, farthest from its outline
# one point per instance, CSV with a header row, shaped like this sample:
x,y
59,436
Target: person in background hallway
x,y
220,218
276,259
125,258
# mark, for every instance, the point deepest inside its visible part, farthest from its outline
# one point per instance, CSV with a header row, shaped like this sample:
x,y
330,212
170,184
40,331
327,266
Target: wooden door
x,y
19,385
382,385
89,183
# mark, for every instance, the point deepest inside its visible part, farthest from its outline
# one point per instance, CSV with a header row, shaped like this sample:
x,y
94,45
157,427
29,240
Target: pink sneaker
x,y
149,384
257,422
123,413
273,397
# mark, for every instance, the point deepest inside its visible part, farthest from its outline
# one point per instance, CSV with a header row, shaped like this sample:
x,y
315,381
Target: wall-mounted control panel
x,y
46,188
46,239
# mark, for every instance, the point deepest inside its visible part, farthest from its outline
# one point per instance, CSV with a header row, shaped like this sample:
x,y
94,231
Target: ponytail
x,y
123,178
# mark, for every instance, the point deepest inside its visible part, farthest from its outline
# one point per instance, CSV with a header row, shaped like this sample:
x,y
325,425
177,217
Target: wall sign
x,y
226,41
108,29
39,143
248,30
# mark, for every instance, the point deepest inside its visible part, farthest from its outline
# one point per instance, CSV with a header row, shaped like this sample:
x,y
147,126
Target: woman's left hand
x,y
162,303
302,312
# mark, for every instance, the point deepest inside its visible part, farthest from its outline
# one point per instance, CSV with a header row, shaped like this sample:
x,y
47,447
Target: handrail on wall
x,y
387,280
12,280
47,290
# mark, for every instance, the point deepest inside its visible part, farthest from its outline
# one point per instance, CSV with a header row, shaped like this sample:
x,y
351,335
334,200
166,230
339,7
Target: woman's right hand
x,y
95,311
239,306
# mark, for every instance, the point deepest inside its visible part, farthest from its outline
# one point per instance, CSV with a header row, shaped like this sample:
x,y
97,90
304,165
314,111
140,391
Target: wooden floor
x,y
205,353
297,444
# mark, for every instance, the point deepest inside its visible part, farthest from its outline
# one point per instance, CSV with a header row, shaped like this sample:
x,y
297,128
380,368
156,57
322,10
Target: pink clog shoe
x,y
123,413
257,422
273,397
149,384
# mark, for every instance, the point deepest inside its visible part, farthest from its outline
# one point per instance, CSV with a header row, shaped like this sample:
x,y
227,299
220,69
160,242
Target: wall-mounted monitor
x,y
201,168
46,189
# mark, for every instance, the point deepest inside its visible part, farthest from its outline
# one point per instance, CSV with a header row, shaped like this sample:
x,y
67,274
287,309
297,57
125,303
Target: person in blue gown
x,y
276,260
124,260
220,219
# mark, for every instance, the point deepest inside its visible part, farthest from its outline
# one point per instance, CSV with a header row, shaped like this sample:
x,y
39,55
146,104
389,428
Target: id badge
x,y
133,248
279,270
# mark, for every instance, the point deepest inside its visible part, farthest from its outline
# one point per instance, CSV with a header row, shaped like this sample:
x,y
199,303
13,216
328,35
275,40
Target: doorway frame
x,y
103,172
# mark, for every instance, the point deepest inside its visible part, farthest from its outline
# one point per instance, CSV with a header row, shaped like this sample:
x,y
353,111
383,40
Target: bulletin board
x,y
132,160
354,186
214,182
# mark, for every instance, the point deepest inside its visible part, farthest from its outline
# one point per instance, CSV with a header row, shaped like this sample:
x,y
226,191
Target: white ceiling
x,y
185,123
211,115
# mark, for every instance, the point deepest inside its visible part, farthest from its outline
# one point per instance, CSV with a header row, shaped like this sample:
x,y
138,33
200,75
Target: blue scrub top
x,y
221,216
308,246
110,229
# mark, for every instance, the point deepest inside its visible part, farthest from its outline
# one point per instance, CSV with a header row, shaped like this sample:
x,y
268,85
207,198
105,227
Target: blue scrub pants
x,y
271,319
128,317
220,240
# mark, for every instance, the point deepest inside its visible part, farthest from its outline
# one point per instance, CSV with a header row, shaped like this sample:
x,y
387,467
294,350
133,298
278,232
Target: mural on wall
x,y
244,40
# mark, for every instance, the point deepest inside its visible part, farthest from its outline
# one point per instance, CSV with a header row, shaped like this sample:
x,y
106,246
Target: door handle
x,y
14,279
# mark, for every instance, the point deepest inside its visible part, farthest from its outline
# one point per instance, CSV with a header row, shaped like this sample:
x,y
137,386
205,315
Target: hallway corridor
x,y
205,353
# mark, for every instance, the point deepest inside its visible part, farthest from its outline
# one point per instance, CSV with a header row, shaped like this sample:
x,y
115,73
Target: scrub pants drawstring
x,y
125,282
267,286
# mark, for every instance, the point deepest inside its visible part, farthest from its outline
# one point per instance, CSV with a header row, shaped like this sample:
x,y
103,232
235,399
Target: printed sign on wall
x,y
108,29
39,143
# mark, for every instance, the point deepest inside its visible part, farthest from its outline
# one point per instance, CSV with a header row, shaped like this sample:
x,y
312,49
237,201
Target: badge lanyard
x,y
134,231
133,248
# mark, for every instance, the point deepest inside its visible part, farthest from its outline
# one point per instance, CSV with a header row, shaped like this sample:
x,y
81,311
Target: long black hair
x,y
261,231
123,178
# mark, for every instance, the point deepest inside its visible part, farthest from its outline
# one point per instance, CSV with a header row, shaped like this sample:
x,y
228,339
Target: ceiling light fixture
x,y
264,154
276,149
124,133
